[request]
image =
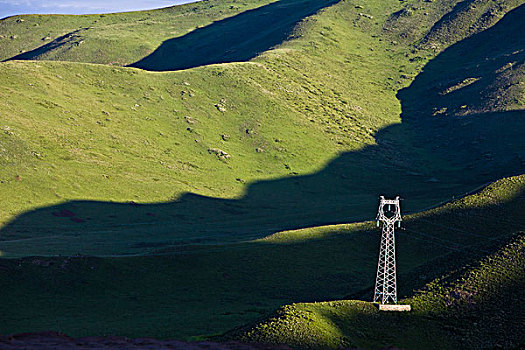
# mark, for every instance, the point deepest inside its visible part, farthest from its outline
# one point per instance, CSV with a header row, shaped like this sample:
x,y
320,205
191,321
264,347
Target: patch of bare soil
x,y
59,341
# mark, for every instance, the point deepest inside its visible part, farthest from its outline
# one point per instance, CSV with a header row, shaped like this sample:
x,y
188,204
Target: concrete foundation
x,y
394,307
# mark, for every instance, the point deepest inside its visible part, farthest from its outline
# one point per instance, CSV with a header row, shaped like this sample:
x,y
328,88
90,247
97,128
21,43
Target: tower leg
x,y
386,281
380,276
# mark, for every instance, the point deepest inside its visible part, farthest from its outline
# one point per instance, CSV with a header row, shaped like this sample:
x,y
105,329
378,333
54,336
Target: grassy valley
x,y
185,171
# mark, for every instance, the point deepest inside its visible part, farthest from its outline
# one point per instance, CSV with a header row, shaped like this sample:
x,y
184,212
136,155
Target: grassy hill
x,y
115,39
270,127
202,290
233,151
475,307
145,155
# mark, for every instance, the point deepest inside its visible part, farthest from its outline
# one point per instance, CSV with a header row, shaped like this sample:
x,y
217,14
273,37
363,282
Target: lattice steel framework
x,y
386,288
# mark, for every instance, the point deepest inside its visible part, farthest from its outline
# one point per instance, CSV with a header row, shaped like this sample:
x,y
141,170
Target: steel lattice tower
x,y
386,288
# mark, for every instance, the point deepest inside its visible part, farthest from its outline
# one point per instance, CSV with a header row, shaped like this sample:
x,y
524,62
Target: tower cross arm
x,y
396,213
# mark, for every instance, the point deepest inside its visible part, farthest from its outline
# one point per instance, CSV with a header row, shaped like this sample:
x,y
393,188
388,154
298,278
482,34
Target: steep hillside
x,y
444,24
469,100
477,308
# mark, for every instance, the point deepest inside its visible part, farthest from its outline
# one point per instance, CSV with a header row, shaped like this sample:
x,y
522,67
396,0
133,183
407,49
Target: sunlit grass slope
x,y
207,290
323,100
115,39
79,131
471,308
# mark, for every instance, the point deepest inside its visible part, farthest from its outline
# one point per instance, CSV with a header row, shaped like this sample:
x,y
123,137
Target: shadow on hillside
x,y
457,92
69,39
214,290
426,159
234,39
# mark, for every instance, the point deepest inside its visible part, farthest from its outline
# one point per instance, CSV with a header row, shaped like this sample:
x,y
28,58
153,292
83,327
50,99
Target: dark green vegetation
x,y
206,290
186,169
475,307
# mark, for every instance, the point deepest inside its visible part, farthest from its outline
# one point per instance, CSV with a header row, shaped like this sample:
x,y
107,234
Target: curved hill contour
x,y
185,203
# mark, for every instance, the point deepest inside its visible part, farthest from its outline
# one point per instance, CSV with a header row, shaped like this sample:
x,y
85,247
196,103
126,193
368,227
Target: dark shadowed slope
x,y
234,39
469,307
468,104
204,290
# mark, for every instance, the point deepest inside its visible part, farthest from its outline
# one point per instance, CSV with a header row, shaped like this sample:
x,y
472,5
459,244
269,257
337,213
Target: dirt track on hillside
x,y
59,341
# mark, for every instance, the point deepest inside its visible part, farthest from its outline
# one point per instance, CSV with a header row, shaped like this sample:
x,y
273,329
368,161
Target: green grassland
x,y
476,308
184,171
233,151
286,120
114,39
207,290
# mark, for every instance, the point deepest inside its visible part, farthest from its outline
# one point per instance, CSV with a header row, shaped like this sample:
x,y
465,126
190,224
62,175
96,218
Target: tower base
x,y
394,307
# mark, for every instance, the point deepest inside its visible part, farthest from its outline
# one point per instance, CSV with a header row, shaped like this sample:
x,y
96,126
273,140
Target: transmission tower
x,y
386,289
